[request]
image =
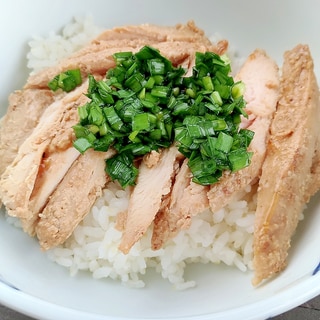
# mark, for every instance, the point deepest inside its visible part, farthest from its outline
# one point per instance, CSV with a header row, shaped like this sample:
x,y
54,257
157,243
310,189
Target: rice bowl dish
x,y
92,248
94,243
225,236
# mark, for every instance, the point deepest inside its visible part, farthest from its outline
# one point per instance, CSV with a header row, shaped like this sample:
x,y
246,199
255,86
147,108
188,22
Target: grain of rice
x,y
218,216
65,262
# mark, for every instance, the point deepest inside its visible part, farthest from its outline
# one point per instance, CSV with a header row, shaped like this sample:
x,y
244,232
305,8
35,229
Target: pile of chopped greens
x,y
145,103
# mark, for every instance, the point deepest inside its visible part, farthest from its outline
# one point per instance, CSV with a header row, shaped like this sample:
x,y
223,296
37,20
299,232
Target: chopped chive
x,y
82,144
120,167
145,103
238,89
224,142
95,115
160,91
239,159
141,122
207,83
156,66
67,81
112,117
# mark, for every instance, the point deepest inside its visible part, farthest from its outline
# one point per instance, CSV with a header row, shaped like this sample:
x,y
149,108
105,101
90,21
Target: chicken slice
x,y
188,32
56,160
260,75
153,185
18,180
186,200
25,109
73,198
287,170
51,171
97,57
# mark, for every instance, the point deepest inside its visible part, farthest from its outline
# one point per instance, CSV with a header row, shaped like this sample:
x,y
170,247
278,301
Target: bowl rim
x,y
302,290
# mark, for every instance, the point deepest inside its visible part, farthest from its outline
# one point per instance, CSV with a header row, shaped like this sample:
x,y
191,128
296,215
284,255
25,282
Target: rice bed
x,y
221,237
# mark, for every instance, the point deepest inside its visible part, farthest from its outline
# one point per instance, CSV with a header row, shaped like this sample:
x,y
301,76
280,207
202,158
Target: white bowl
x,y
33,285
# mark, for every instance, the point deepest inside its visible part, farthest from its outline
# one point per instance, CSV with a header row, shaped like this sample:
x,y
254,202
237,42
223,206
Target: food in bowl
x,y
166,219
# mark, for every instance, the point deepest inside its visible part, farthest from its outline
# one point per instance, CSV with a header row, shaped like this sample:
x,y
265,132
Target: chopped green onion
x,y
160,91
82,144
145,103
112,117
67,81
216,98
120,167
238,90
224,142
122,56
83,113
207,83
95,115
239,159
142,121
156,66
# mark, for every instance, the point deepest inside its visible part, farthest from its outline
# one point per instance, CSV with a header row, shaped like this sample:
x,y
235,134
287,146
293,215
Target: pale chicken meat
x,y
187,199
178,44
52,170
98,57
25,109
152,186
288,170
188,32
73,198
260,75
18,180
56,160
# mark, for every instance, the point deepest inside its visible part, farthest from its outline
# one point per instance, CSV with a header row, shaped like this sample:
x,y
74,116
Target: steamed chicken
x,y
50,186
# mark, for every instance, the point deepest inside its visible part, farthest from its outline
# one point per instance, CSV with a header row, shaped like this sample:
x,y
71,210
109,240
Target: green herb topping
x,y
66,81
145,103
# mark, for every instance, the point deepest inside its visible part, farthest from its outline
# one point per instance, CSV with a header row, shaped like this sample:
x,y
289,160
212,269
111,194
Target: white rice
x,y
224,236
47,51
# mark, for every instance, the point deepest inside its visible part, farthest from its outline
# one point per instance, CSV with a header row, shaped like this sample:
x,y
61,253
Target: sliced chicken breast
x,y
287,170
52,170
187,199
152,186
176,43
18,180
73,198
188,32
23,114
260,75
